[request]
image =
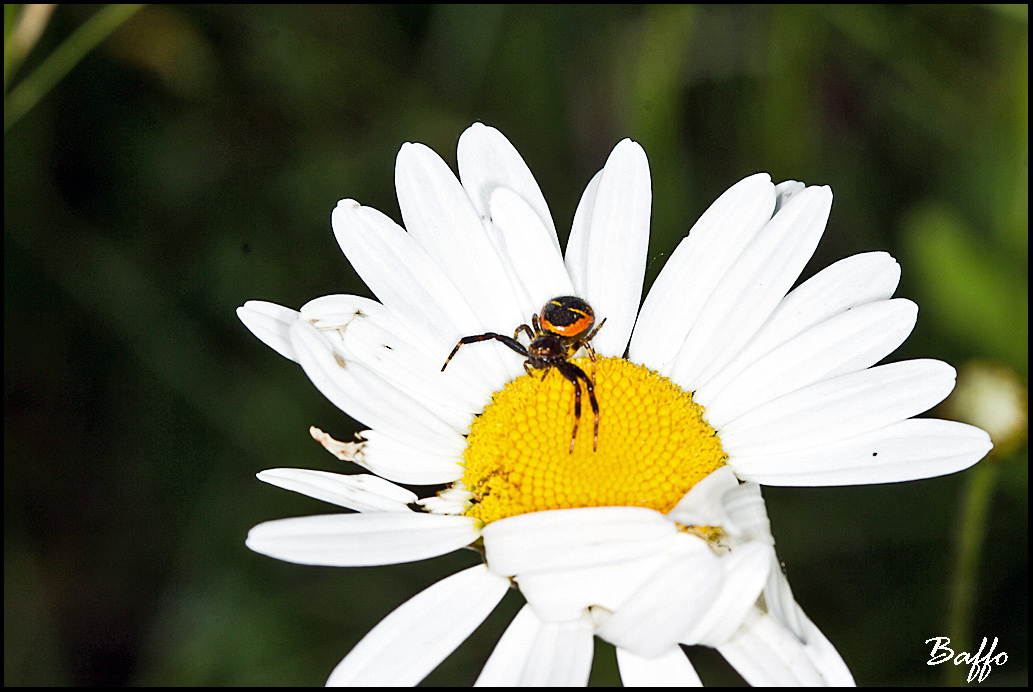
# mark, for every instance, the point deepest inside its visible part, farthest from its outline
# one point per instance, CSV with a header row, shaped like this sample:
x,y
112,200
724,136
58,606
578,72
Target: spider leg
x,y
577,412
596,330
591,351
524,328
595,410
573,373
591,354
507,340
586,342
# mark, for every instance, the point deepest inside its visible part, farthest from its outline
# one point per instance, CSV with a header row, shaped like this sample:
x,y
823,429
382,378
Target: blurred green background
x,y
190,163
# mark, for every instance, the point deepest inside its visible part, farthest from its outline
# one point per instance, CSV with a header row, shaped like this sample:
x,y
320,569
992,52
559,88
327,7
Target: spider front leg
x,y
587,343
591,356
595,331
572,373
507,340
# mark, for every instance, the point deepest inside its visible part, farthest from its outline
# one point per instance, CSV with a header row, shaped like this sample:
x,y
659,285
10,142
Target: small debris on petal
x,y
345,451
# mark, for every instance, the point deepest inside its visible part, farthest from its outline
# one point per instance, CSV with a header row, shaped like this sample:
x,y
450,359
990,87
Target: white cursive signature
x,y
981,665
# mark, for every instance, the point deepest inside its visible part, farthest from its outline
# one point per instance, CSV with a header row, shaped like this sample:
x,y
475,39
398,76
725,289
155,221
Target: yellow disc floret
x,y
654,444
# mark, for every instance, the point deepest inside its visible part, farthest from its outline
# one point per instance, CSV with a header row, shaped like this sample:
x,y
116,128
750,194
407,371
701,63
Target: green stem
x,y
66,56
970,535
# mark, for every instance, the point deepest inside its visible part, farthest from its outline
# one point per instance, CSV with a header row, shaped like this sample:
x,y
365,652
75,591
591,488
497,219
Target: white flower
x,y
654,534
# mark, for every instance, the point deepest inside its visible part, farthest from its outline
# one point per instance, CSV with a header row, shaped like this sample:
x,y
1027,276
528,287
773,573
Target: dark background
x,y
191,162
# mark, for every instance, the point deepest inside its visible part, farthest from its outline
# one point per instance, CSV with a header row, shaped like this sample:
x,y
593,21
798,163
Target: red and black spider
x,y
563,327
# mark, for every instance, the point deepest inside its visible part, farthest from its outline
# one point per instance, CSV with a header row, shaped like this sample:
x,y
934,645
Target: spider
x,y
563,327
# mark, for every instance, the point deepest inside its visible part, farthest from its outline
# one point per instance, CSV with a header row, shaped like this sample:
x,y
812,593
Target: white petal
x,y
704,504
347,316
778,597
574,538
753,287
721,500
824,657
851,341
505,666
745,571
360,540
487,161
905,451
403,463
564,594
780,603
400,272
364,330
696,267
785,191
850,282
448,501
363,493
767,654
418,635
271,323
576,256
671,669
747,514
406,280
367,398
527,242
667,604
610,271
533,653
438,213
839,408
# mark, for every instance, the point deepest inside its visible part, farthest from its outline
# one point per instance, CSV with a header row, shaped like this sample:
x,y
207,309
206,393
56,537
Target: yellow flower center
x,y
653,446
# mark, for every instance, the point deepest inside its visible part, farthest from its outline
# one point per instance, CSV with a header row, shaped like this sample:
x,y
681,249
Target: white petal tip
x,y
629,147
271,323
756,178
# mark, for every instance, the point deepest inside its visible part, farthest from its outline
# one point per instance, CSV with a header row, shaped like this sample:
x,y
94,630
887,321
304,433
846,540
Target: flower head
x,y
638,519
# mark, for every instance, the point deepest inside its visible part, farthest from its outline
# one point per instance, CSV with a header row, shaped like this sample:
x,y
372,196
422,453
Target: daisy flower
x,y
649,531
